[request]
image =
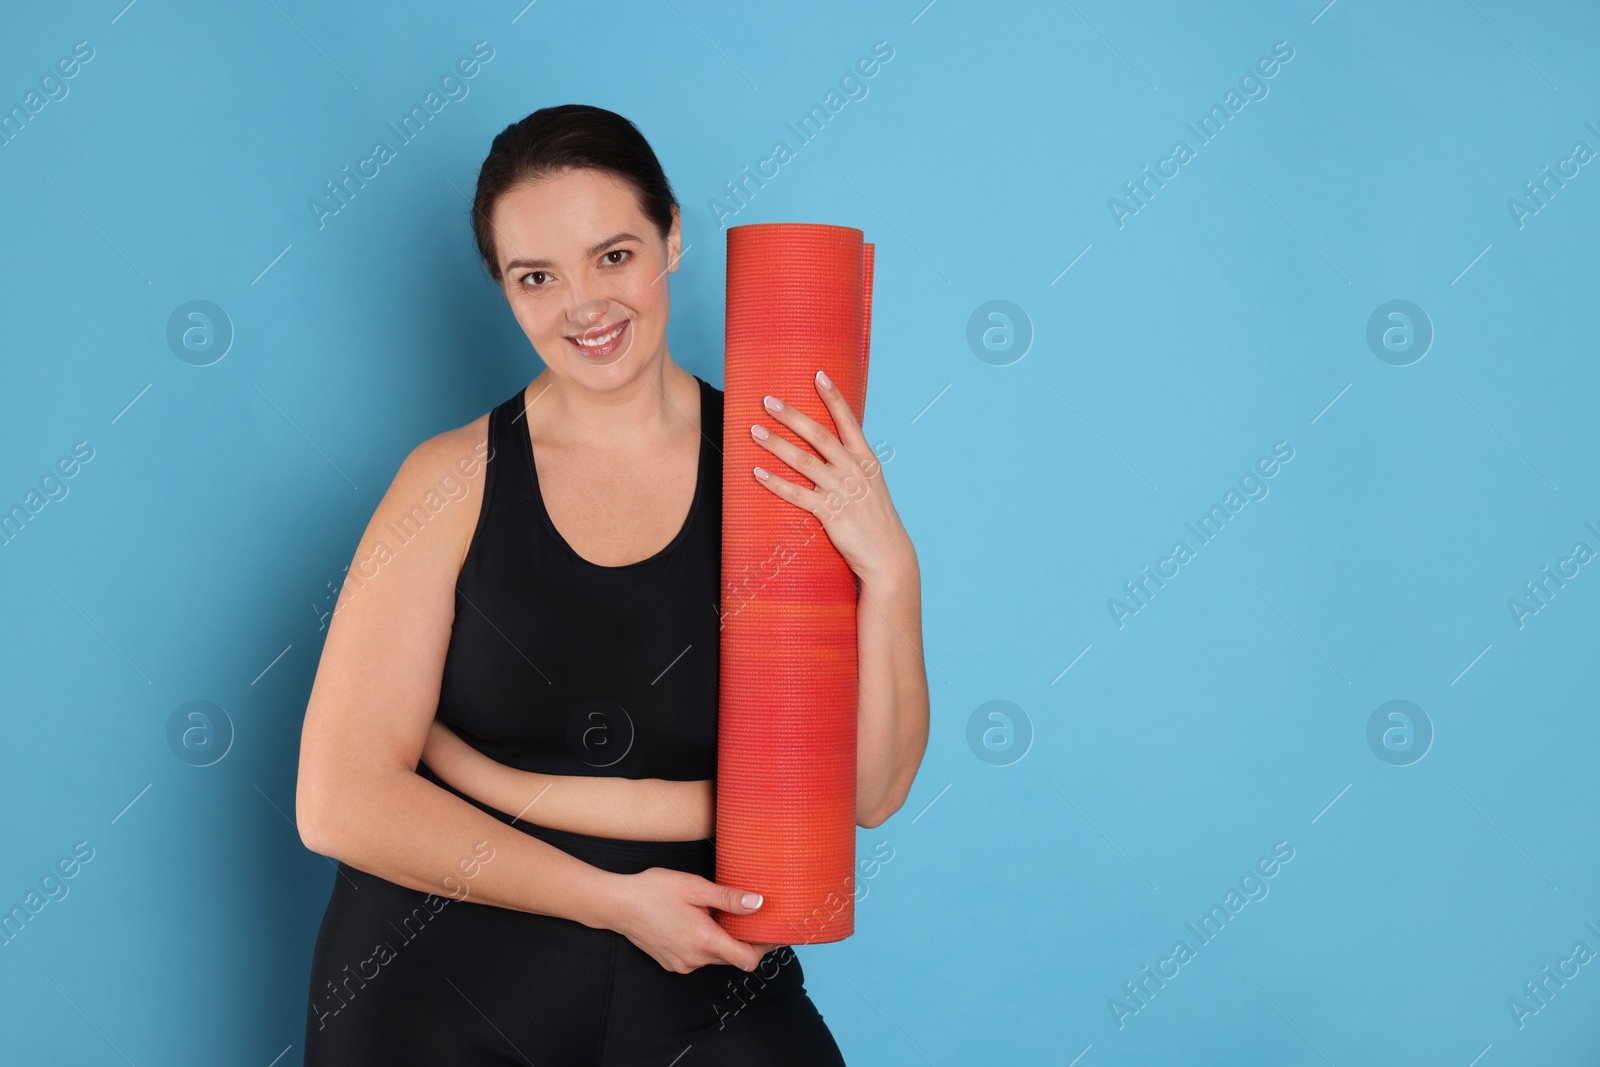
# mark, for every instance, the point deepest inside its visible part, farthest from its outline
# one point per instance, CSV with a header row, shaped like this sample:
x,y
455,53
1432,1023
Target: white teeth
x,y
602,340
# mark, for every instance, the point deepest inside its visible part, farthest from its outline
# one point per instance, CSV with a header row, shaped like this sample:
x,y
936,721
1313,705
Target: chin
x,y
628,362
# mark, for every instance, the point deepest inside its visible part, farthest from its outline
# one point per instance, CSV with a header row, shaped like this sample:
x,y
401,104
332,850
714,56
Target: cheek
x,y
540,327
649,300
524,317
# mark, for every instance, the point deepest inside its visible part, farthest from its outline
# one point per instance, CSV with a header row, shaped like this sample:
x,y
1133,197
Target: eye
x,y
524,279
618,252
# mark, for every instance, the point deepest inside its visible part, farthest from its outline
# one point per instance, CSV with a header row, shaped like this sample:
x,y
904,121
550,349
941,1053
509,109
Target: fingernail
x,y
823,378
760,432
751,900
761,472
773,403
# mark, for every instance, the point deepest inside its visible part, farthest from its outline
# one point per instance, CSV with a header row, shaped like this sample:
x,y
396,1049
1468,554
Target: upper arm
x,y
377,685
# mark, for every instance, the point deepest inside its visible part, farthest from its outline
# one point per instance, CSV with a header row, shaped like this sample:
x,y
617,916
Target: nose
x,y
587,313
585,298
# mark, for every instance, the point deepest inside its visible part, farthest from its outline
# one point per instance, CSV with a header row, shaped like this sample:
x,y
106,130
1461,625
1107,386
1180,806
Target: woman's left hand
x,y
850,498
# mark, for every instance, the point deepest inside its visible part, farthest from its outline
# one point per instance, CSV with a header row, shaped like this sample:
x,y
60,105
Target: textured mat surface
x,y
799,300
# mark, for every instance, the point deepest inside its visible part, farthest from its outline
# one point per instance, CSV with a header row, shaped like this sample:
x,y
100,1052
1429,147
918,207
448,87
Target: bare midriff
x,y
631,809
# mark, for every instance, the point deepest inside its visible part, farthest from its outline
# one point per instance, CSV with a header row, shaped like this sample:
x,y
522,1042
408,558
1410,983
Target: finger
x,y
747,957
731,951
823,503
828,446
844,416
811,500
727,898
746,961
801,460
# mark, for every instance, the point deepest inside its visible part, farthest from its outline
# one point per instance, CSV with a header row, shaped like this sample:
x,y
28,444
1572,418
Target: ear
x,y
674,241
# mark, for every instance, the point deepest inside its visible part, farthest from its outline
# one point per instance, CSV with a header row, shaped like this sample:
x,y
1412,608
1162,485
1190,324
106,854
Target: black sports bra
x,y
564,666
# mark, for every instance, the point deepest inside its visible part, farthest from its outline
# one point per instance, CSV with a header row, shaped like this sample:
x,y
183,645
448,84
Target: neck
x,y
626,416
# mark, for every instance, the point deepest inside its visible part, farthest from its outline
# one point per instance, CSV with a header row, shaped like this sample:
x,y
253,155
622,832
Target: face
x,y
579,260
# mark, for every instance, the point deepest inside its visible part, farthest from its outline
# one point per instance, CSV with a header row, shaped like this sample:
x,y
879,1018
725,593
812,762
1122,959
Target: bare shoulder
x,y
423,526
441,484
377,684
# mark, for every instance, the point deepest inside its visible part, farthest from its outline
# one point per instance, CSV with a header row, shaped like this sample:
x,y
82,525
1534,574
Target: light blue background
x,y
190,555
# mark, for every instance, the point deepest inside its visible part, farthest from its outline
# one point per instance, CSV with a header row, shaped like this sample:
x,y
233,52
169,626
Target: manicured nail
x,y
761,472
751,900
760,432
823,378
773,403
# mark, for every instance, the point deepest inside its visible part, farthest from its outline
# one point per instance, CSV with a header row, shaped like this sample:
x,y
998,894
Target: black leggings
x,y
402,977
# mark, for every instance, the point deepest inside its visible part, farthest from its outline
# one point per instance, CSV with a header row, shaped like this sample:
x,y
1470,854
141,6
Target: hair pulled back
x,y
568,137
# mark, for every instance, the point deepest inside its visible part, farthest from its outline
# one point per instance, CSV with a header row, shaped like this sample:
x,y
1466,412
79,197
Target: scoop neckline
x,y
694,504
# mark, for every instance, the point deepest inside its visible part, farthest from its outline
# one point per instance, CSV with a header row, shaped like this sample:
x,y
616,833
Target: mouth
x,y
602,341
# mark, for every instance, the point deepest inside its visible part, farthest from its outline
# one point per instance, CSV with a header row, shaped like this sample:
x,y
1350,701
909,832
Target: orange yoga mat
x,y
799,300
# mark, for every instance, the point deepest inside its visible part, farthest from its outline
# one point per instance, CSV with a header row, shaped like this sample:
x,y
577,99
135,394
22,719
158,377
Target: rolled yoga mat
x,y
799,300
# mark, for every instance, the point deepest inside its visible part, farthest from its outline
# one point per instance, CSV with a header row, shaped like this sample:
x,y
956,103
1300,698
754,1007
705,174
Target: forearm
x,y
892,730
407,830
601,806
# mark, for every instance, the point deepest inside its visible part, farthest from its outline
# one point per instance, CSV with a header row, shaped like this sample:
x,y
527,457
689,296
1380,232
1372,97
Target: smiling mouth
x,y
599,345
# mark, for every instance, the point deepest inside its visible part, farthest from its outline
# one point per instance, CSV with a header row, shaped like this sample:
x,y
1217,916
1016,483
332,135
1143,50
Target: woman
x,y
530,878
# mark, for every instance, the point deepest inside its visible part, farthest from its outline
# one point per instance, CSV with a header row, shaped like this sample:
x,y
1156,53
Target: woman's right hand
x,y
665,914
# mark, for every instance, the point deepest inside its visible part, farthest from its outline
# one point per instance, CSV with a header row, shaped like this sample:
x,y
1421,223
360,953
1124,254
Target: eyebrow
x,y
588,254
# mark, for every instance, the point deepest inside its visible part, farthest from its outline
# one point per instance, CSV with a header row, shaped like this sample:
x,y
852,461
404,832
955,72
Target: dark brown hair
x,y
568,137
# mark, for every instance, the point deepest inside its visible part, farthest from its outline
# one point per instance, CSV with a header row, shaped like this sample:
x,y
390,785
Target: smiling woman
x,y
539,676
